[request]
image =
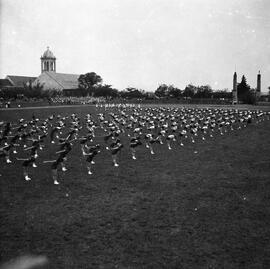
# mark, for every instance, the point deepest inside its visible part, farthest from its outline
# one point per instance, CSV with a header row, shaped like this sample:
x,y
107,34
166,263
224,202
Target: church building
x,y
11,81
50,79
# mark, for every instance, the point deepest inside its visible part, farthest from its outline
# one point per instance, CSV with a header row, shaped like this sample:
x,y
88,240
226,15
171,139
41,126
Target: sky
x,y
140,43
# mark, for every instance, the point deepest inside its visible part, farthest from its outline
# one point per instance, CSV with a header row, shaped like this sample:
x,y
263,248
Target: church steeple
x,y
48,61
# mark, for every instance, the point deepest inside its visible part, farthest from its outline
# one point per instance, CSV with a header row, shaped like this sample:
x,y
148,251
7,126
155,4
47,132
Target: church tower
x,y
48,61
234,91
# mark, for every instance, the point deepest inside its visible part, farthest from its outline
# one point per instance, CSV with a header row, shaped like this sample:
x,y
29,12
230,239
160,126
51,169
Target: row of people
x,y
142,126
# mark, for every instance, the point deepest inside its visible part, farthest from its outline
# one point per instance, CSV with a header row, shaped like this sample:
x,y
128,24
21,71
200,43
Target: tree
x,y
222,94
174,92
150,95
89,81
105,91
250,97
34,91
131,92
244,93
162,90
204,92
190,90
242,89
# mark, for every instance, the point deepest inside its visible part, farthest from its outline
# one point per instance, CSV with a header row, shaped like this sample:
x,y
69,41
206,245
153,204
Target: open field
x,y
204,205
38,104
85,108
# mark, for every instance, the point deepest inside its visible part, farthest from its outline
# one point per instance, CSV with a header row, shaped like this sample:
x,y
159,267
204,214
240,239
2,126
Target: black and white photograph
x,y
134,134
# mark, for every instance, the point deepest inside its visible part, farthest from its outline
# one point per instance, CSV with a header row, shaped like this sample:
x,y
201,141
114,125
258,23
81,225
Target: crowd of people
x,y
72,100
58,100
113,128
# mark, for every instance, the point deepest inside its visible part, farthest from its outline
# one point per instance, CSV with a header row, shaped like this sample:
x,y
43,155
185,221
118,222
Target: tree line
x,y
90,84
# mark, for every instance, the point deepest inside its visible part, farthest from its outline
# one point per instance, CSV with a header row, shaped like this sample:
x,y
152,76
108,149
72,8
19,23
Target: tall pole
x,y
234,91
258,90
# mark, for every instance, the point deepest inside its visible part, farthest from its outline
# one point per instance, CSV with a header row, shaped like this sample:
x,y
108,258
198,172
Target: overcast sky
x,y
140,43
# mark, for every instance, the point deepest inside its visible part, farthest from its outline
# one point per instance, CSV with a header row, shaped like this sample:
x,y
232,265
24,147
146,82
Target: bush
x,y
249,98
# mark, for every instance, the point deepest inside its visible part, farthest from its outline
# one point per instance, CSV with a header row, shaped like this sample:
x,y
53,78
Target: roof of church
x,y
48,54
5,83
67,81
19,81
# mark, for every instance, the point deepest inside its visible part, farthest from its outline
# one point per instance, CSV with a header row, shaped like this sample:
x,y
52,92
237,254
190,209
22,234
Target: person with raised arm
x,y
54,168
134,143
27,162
115,148
90,153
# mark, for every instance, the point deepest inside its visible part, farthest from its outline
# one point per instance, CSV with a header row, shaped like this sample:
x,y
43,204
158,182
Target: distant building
x,y
16,81
264,97
5,83
48,61
57,81
51,80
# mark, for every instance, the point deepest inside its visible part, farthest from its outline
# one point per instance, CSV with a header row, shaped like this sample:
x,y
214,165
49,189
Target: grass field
x,y
204,205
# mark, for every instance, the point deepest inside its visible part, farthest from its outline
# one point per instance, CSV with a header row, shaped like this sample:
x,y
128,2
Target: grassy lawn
x,y
204,205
